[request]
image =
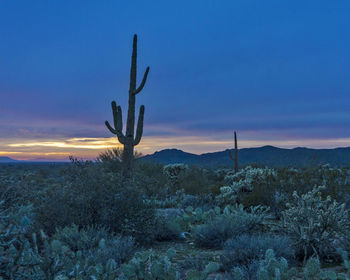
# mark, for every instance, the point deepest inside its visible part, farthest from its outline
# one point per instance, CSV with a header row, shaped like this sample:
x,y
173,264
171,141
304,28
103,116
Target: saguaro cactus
x,y
235,158
128,139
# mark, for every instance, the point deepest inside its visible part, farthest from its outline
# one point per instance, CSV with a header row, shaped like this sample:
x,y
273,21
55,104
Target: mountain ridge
x,y
7,160
265,155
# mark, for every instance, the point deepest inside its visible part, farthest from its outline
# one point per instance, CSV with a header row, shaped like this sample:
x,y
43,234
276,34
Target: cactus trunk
x,y
235,158
236,153
128,140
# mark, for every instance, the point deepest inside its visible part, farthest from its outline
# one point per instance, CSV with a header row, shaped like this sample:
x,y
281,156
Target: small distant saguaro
x,y
235,158
128,139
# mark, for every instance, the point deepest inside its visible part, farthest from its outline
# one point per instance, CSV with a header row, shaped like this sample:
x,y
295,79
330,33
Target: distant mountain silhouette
x,y
266,155
7,160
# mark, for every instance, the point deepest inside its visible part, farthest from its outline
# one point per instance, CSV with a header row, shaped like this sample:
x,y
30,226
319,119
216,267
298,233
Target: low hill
x,y
266,155
7,160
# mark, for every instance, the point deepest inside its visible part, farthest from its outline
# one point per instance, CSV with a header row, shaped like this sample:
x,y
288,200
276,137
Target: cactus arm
x,y
121,137
111,129
139,129
117,116
143,82
118,123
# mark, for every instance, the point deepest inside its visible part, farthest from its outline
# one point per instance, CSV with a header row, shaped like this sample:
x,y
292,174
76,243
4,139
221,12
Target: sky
x,y
275,71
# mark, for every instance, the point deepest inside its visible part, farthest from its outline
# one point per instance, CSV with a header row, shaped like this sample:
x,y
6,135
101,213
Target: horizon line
x,y
66,160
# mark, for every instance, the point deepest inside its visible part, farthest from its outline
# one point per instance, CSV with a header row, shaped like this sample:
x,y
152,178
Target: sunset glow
x,y
90,148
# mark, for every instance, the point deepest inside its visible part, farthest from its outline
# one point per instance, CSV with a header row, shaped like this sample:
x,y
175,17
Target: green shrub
x,y
230,224
244,181
90,196
244,249
88,241
174,172
149,177
168,228
111,160
148,265
272,268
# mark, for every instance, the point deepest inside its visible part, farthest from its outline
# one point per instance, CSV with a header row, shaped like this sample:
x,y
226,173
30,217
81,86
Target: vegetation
x,y
84,221
234,158
127,139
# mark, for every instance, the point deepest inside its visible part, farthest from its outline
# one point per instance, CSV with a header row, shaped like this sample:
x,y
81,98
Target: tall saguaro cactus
x,y
235,158
128,139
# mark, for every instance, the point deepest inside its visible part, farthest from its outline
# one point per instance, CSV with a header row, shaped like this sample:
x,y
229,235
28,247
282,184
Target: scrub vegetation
x,y
83,220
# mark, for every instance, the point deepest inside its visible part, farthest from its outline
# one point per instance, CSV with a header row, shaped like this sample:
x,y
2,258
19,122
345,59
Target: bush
x,y
111,160
315,224
89,240
244,181
148,265
197,181
174,172
229,225
149,177
245,249
168,228
273,269
90,196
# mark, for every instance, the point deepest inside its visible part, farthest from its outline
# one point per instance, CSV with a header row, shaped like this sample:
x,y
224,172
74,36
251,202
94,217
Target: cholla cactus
x,y
242,182
315,223
174,171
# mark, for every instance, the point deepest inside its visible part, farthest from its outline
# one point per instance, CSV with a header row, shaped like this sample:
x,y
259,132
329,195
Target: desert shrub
x,y
312,269
14,226
204,273
111,159
39,257
203,201
287,180
270,196
245,272
245,249
244,181
197,180
272,268
88,241
267,268
315,224
230,224
148,265
181,200
90,196
149,177
174,172
81,239
168,227
197,260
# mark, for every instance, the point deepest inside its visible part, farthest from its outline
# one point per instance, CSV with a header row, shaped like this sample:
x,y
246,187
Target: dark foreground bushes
x,y
90,196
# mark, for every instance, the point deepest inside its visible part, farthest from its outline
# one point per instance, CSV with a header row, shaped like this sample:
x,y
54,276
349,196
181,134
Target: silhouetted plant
x,y
128,139
234,158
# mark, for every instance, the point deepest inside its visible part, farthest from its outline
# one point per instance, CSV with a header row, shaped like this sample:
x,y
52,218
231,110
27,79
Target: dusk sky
x,y
277,72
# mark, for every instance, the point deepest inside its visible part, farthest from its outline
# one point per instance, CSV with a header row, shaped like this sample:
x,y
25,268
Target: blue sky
x,y
275,71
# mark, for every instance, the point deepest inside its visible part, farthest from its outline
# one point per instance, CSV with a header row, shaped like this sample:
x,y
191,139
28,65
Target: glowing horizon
x,y
90,148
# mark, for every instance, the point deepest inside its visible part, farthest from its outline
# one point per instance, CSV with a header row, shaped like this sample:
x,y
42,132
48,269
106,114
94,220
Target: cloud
x,y
90,148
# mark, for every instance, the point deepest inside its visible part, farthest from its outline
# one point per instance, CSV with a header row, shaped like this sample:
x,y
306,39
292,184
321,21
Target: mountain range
x,y
266,155
7,160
